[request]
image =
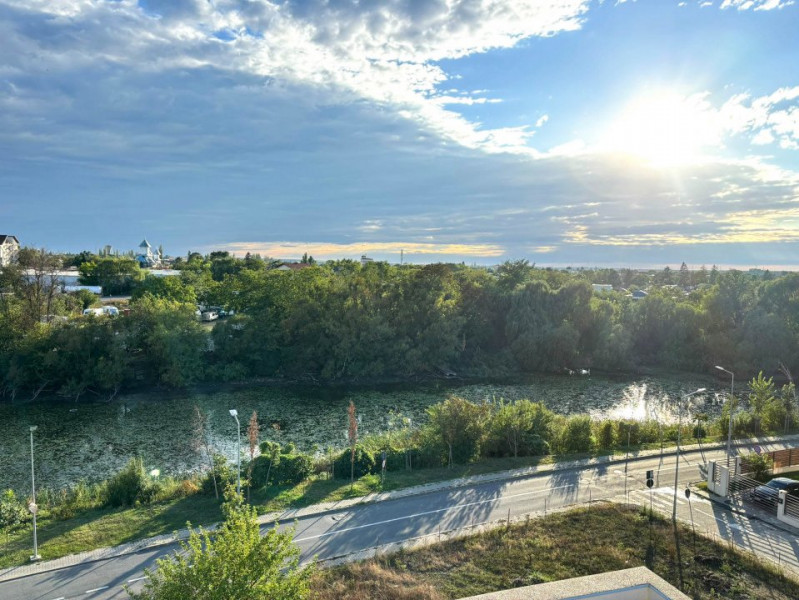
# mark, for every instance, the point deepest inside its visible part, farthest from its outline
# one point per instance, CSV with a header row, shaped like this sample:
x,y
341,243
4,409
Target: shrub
x,y
287,468
576,435
127,486
364,463
225,475
458,427
12,511
628,428
292,469
605,436
759,465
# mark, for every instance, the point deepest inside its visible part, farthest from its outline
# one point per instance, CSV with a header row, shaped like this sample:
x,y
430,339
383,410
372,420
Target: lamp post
x,y
32,506
729,427
679,439
235,414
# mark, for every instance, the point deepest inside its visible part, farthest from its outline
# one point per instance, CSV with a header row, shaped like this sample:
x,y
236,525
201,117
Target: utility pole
x,y
32,506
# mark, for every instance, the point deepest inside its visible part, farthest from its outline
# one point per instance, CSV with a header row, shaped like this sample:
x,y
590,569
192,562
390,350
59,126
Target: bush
x,y
12,511
575,437
628,428
759,466
225,475
127,486
364,463
605,436
287,468
292,469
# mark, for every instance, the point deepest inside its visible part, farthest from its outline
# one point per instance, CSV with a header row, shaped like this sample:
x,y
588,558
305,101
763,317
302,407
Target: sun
x,y
664,128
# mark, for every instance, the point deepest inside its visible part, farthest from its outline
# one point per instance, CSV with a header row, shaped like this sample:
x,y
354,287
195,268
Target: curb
x,y
100,554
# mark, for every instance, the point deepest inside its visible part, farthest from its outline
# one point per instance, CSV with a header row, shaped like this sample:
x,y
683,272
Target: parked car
x,y
110,311
210,315
770,492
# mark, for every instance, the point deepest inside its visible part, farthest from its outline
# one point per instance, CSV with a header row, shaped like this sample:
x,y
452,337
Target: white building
x,y
602,288
147,258
9,249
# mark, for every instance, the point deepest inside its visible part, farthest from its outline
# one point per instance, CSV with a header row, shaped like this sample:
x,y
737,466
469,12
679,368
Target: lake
x,y
91,441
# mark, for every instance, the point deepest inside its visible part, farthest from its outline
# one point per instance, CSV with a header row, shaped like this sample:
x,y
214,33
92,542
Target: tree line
x,y
343,321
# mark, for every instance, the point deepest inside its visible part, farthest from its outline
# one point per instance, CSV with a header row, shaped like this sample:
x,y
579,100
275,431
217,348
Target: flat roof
x,y
638,583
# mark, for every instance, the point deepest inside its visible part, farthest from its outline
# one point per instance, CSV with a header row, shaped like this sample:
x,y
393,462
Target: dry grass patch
x,y
571,544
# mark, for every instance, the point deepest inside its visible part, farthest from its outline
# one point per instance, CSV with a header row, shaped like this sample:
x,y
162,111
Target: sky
x,y
565,132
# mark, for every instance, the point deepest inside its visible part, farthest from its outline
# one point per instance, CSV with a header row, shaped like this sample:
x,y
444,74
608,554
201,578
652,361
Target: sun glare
x,y
664,129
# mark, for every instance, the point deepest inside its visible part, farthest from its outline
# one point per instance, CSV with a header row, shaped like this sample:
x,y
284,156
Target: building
x,y
365,260
292,266
9,249
146,258
638,583
602,288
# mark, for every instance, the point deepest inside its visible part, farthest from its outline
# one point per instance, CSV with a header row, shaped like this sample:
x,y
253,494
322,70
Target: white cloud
x,y
770,118
383,52
756,4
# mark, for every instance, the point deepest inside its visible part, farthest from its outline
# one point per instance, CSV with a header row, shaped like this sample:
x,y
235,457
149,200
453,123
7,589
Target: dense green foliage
x,y
235,562
347,322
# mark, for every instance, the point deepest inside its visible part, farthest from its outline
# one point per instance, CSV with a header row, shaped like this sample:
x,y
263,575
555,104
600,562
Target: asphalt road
x,y
363,527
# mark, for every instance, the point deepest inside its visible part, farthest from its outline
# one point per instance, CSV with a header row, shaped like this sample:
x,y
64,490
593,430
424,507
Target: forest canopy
x,y
343,321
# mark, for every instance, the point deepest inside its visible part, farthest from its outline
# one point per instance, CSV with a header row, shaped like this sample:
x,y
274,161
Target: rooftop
x,y
629,584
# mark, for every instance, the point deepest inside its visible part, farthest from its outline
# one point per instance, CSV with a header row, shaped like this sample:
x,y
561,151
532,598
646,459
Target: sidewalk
x,y
768,443
739,507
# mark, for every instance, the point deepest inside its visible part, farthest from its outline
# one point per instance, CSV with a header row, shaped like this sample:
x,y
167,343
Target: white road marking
x,y
137,579
99,589
421,514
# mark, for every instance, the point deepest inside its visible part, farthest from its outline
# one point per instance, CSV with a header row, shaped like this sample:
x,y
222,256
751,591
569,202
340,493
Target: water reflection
x,y
91,441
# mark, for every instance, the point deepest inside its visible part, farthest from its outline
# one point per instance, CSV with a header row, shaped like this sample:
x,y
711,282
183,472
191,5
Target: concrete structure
x,y
784,501
602,287
629,584
9,249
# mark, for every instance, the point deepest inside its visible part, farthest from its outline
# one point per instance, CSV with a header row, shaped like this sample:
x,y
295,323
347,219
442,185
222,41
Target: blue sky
x,y
567,132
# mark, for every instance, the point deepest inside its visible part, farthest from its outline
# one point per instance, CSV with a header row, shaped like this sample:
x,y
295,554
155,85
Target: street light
x,y
235,414
729,427
679,439
32,506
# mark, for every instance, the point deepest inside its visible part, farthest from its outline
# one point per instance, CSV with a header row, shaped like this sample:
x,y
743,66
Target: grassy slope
x,y
560,546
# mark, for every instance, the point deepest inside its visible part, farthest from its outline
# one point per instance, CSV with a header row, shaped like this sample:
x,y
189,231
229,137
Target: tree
x,y
524,425
114,275
200,442
38,287
761,393
685,276
235,562
460,425
513,273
